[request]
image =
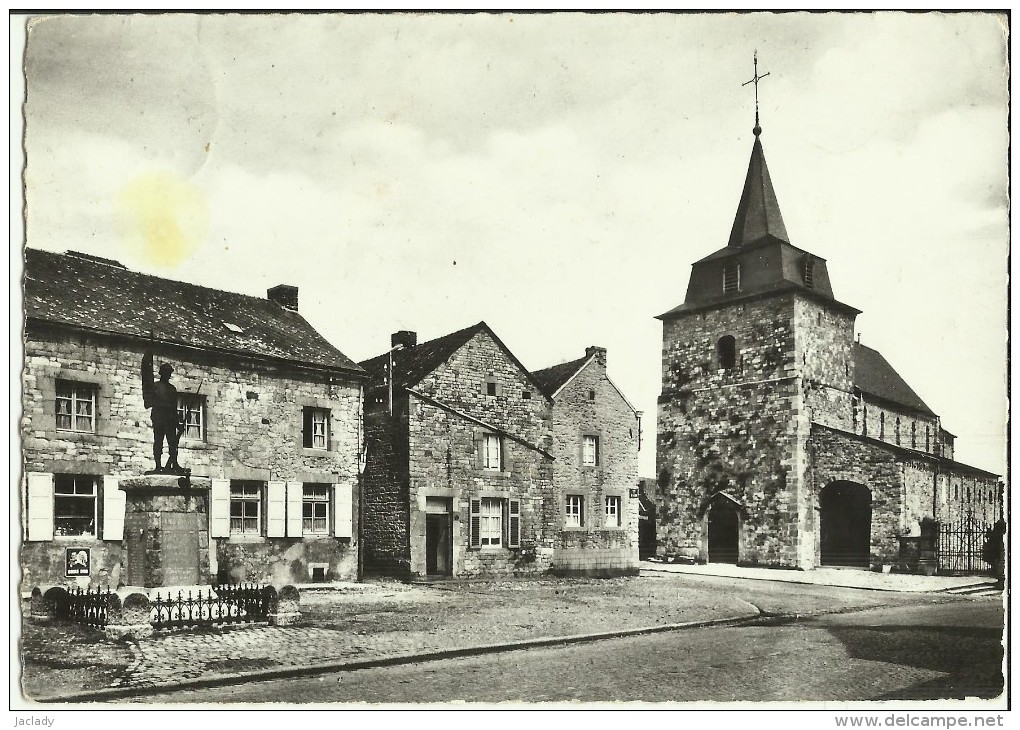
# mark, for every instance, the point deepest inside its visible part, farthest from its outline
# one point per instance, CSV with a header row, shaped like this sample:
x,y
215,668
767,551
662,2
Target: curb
x,y
308,670
807,582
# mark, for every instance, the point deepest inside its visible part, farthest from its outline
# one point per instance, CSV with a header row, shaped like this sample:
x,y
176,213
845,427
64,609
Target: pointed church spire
x,y
758,213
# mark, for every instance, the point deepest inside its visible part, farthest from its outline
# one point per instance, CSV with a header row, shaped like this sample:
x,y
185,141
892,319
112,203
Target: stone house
x,y
271,414
596,433
781,440
458,476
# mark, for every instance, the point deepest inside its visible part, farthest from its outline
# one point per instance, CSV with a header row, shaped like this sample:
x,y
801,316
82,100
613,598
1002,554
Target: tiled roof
x,y
103,296
552,378
874,375
410,365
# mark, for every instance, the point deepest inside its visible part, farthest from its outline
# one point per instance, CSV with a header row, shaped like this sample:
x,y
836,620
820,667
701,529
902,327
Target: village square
x,y
273,452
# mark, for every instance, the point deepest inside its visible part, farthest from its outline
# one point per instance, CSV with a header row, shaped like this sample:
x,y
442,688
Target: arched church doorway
x,y
723,531
845,530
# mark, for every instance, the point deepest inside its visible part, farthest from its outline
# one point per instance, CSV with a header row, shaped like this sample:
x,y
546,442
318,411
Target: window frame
x,y
314,495
75,481
596,456
76,386
245,492
618,500
573,511
488,438
183,401
308,423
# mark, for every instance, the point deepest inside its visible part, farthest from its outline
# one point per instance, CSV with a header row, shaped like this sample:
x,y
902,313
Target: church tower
x,y
758,351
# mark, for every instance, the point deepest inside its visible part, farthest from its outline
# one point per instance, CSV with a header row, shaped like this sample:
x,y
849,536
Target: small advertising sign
x,y
633,493
77,561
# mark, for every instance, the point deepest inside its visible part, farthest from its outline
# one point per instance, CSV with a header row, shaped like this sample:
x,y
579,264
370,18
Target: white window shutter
x,y
276,509
343,510
114,504
40,506
295,492
219,508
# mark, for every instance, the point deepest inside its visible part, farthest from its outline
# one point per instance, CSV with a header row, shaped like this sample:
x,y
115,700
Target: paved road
x,y
897,652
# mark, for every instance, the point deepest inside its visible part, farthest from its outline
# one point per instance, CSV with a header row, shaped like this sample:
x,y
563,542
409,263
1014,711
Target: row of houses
x,y
446,458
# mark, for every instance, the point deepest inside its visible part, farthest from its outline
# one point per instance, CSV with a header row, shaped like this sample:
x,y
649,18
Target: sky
x,y
554,175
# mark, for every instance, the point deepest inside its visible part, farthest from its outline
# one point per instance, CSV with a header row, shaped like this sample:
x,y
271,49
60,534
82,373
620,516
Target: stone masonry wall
x,y
385,527
598,547
734,430
843,458
253,413
443,457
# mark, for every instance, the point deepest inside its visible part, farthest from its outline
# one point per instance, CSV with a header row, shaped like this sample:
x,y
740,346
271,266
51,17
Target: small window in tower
x,y
897,430
731,278
726,349
808,272
881,425
913,434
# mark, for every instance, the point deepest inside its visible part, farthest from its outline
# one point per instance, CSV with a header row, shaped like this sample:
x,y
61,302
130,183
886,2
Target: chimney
x,y
285,295
405,338
598,352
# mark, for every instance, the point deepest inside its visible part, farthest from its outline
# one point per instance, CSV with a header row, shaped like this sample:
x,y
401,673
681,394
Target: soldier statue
x,y
161,397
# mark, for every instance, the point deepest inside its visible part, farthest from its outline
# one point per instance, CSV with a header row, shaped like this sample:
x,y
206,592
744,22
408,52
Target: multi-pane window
x,y
316,428
315,509
245,508
76,406
491,452
614,511
74,505
191,413
731,278
495,522
490,522
574,511
590,451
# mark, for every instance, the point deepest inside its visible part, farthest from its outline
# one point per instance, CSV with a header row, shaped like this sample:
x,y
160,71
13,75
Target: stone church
x,y
781,440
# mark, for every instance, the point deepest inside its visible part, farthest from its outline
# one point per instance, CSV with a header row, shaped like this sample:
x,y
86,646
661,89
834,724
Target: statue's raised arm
x,y
148,380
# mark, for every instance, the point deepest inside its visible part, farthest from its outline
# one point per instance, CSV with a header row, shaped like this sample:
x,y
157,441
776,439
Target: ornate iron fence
x,y
88,607
223,604
959,547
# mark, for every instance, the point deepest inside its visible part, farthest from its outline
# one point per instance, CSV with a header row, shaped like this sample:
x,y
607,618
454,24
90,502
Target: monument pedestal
x,y
166,530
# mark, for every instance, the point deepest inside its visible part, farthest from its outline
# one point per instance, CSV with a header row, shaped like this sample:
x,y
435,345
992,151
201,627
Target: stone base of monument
x,y
287,609
166,530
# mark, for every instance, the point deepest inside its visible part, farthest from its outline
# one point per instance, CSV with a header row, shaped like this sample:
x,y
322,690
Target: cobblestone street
x,y
369,621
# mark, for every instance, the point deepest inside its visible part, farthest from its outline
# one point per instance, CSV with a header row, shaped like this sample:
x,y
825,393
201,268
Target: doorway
x,y
438,536
723,532
845,525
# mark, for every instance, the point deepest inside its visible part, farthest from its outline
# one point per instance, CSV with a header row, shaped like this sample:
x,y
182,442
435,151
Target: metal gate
x,y
960,544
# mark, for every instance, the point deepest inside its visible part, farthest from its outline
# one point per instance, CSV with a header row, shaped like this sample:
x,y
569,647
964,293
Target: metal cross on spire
x,y
755,80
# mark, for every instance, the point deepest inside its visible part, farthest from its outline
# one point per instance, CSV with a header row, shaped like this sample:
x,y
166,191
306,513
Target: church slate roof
x,y
758,215
102,296
553,378
875,376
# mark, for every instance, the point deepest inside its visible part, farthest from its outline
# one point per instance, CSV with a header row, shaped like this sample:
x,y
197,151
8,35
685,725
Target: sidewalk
x,y
365,624
837,577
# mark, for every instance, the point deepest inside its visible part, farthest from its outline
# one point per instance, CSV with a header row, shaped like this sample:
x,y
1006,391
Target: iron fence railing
x,y
960,544
222,604
88,607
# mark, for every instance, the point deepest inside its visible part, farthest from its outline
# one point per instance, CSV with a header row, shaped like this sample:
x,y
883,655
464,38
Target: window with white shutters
x,y
245,508
75,505
315,509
